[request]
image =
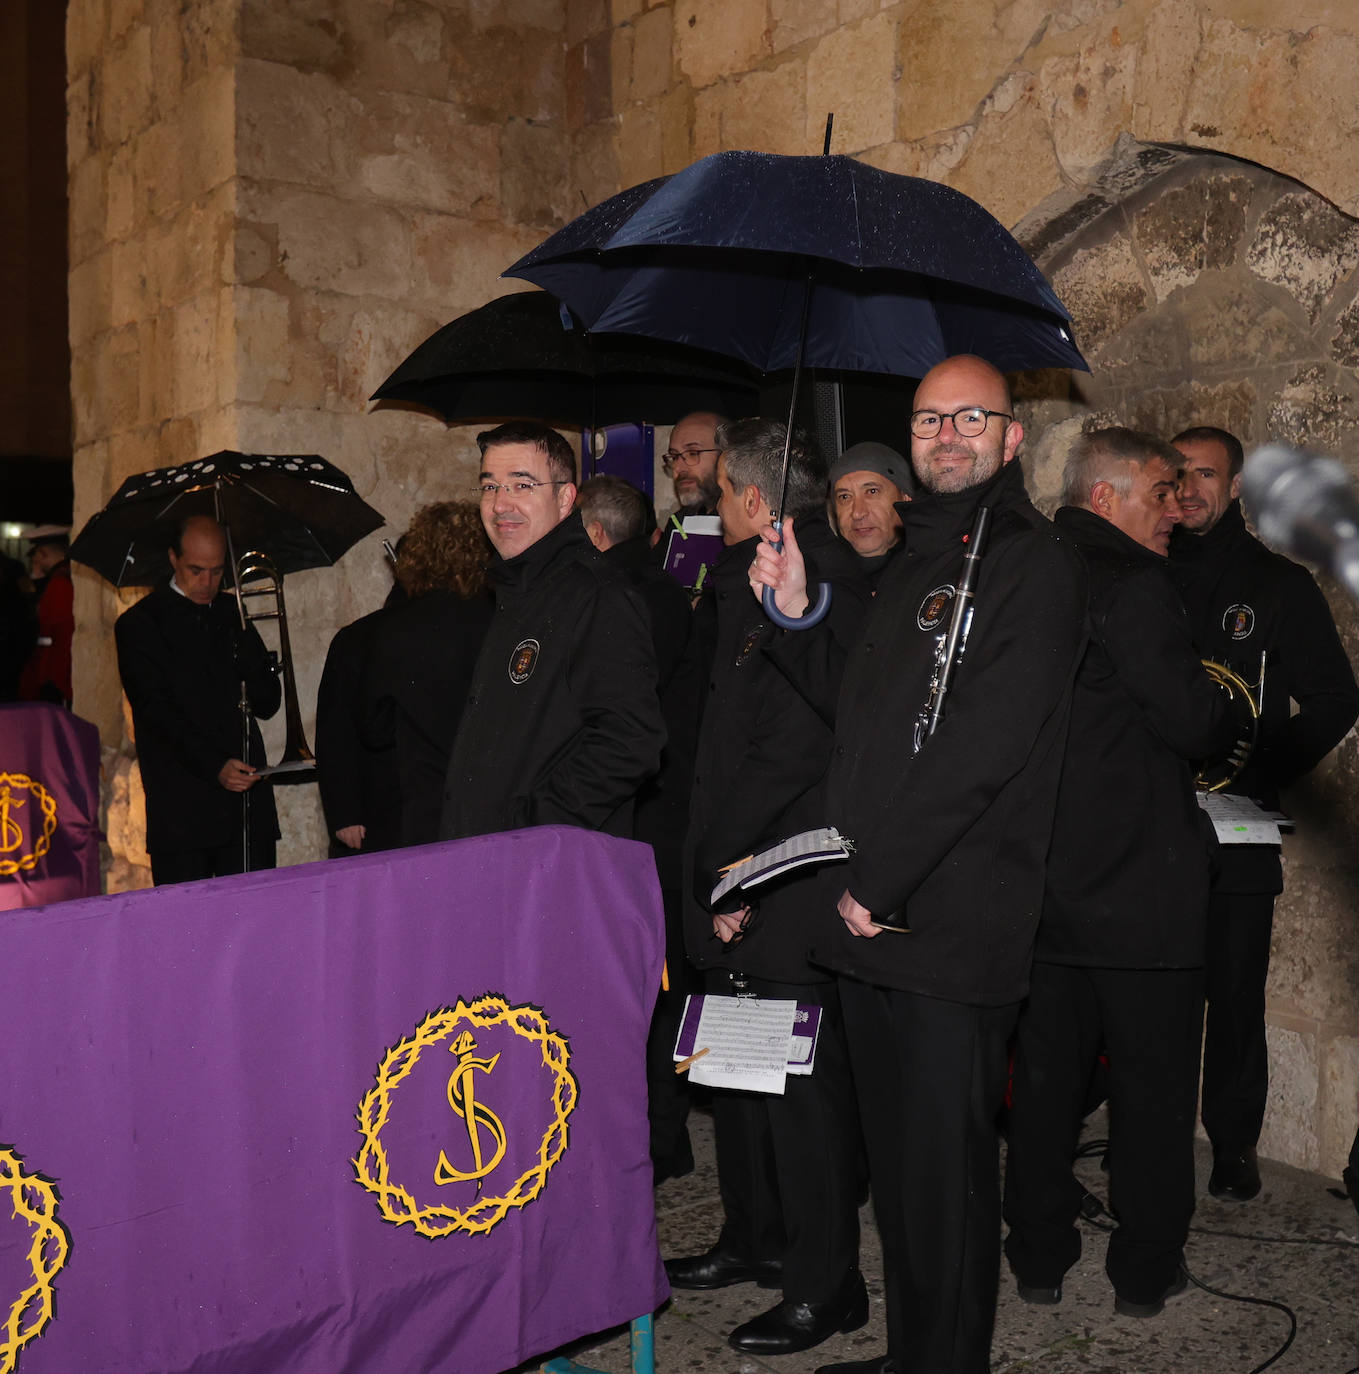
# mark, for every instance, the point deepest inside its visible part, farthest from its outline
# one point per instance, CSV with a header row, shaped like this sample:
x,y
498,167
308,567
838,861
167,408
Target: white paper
x,y
747,1043
810,847
1238,820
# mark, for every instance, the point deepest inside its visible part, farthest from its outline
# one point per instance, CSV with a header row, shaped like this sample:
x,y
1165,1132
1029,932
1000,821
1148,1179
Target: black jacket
x,y
1244,600
356,779
663,803
562,724
414,686
759,776
182,666
1128,872
957,834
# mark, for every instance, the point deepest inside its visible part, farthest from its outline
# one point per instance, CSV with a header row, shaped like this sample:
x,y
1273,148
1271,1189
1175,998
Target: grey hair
x,y
618,506
753,452
1109,455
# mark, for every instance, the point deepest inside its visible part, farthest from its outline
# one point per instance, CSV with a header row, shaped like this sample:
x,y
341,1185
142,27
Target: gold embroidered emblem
x,y
33,1199
20,847
508,1174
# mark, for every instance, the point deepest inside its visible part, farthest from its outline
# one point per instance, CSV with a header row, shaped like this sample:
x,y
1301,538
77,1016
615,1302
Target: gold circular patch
x,y
18,838
371,1166
32,1199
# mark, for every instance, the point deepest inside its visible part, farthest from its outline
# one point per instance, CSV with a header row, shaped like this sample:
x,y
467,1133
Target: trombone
x,y
265,580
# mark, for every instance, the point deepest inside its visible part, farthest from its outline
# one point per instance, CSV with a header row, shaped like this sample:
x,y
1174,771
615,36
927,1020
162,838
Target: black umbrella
x,y
298,509
523,355
905,271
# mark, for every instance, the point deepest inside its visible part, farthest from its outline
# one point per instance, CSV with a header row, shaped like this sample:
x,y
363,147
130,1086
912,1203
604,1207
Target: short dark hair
x,y
1103,455
561,461
618,506
1210,434
753,452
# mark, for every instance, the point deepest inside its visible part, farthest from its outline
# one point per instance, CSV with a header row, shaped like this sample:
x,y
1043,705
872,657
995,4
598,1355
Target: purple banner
x,y
49,807
385,1113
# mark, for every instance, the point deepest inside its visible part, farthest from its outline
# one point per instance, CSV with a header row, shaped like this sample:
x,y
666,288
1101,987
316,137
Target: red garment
x,y
47,674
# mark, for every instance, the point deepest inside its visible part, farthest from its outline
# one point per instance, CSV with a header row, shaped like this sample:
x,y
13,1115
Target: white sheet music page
x,y
747,1043
1238,820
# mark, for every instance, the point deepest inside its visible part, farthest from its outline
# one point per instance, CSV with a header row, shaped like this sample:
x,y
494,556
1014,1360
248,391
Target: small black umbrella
x,y
523,355
298,509
904,271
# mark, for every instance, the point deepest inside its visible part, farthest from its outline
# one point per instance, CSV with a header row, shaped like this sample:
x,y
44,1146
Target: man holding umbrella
x,y
183,658
940,899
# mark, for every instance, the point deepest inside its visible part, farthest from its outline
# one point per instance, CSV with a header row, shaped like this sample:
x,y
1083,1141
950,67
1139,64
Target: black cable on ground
x,y
1092,1208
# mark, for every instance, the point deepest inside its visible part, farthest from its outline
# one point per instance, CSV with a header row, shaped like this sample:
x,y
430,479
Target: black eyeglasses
x,y
687,456
969,422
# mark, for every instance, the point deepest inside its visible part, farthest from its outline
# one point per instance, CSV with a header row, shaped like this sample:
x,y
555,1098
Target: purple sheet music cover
x,y
385,1113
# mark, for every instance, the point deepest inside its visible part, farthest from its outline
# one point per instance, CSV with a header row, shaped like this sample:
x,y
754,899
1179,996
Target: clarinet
x,y
951,647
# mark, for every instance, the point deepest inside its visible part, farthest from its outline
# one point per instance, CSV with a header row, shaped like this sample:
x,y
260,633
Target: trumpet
x,y
1247,701
258,569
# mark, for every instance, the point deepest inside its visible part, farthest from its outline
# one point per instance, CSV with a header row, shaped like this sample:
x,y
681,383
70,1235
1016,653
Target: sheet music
x,y
1238,820
747,1040
810,847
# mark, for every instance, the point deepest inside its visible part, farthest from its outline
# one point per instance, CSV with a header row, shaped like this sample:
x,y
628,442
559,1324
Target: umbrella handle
x,y
814,615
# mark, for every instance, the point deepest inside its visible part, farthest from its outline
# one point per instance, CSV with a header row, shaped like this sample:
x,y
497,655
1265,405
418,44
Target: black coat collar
x,y
935,521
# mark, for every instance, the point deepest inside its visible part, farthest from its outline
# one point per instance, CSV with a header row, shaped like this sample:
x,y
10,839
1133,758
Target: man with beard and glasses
x,y
950,841
691,463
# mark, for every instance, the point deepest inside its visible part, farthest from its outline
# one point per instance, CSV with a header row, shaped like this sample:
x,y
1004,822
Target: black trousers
x,y
188,865
787,1167
1235,1057
668,1093
1151,1022
930,1077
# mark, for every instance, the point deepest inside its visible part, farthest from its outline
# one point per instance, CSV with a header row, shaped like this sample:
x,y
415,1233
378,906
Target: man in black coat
x,y
1119,958
562,725
183,656
786,1164
951,839
618,519
1244,602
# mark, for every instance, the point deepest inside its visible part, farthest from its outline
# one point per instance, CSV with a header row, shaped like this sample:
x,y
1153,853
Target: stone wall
x,y
270,206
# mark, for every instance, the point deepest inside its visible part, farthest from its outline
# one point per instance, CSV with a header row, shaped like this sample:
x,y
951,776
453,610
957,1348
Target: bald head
x,y
198,558
944,457
691,460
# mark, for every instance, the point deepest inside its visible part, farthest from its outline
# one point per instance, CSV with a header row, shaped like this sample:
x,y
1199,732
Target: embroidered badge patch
x,y
523,661
467,1117
1238,620
934,608
28,820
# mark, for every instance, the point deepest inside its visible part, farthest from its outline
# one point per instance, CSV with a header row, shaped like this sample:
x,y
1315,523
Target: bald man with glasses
x,y
691,462
562,724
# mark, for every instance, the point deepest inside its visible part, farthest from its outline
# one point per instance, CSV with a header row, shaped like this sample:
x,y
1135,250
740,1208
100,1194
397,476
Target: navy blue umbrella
x,y
904,272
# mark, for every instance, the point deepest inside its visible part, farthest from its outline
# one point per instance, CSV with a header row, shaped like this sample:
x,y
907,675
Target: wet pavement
x,y
1295,1244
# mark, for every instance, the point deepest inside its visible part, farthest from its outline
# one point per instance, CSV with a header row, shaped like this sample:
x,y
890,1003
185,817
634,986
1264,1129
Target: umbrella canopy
x,y
523,355
298,509
905,271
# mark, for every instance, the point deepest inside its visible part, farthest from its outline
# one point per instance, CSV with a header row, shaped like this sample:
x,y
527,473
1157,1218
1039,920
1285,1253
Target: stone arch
x,y
1206,289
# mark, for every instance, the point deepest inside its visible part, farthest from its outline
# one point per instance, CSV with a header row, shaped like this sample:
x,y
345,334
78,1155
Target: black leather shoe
x,y
1235,1176
719,1268
1038,1294
792,1326
883,1364
1126,1308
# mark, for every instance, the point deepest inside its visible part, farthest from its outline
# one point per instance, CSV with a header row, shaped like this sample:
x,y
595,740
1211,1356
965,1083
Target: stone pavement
x,y
1294,1244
